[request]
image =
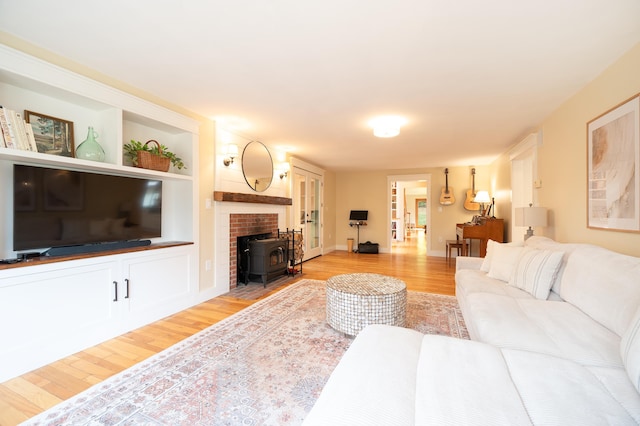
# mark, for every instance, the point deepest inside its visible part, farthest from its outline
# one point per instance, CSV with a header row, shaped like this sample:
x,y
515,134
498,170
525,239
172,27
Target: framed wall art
x,y
53,135
613,168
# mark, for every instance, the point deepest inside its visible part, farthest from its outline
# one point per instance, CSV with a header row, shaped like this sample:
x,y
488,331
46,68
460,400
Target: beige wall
x,y
328,212
361,191
562,159
369,191
500,172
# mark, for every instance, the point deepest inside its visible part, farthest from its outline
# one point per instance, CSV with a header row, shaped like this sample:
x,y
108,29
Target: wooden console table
x,y
488,229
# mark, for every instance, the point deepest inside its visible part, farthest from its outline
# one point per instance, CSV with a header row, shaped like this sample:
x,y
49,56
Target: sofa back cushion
x,y
630,350
603,284
544,243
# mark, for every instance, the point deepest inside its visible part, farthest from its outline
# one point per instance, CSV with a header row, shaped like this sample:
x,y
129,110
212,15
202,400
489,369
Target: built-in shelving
x,y
28,83
63,305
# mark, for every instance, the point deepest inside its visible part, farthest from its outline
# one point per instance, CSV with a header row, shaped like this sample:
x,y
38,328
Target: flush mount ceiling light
x,y
387,126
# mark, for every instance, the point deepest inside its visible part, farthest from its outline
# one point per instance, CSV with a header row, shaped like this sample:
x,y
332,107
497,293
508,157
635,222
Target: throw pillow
x,y
486,264
503,261
535,271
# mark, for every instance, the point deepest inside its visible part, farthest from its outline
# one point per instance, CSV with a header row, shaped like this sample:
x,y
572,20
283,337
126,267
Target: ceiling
x,y
471,78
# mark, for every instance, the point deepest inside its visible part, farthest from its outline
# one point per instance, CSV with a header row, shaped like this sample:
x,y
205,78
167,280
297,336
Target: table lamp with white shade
x,y
483,198
531,217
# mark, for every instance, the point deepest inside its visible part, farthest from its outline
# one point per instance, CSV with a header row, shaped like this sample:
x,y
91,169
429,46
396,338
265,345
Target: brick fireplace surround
x,y
247,224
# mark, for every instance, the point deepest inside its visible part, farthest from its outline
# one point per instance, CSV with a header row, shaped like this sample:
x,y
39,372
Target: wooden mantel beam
x,y
240,197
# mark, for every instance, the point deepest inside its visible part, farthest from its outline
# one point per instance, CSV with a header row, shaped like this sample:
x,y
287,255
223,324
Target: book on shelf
x,y
24,135
18,128
31,137
16,133
8,136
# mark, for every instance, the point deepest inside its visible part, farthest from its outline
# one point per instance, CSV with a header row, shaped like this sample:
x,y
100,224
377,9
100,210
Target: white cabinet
x,y
53,310
50,312
156,284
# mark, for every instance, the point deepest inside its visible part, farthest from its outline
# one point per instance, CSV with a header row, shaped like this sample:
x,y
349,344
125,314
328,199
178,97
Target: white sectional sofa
x,y
555,332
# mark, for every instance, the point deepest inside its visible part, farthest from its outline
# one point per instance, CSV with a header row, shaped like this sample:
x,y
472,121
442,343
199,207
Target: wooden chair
x,y
460,245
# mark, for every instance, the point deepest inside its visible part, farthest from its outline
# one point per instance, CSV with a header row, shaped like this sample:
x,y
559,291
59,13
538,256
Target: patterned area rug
x,y
265,365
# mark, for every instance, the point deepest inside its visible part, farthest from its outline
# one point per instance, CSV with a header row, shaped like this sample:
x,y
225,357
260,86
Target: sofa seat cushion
x,y
547,327
462,382
472,281
374,383
467,382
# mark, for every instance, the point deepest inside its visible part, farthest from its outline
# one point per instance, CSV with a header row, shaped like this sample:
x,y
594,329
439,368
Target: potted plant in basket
x,y
151,155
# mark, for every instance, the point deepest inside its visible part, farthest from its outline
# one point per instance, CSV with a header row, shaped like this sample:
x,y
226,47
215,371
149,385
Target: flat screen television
x,y
60,208
358,214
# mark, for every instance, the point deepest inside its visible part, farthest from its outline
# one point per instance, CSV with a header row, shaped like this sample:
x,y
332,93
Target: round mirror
x,y
257,166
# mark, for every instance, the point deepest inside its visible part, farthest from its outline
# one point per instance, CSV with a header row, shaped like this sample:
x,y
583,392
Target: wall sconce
x,y
284,170
531,217
483,198
232,153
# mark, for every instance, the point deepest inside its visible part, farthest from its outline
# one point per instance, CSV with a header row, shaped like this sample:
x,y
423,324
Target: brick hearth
x,y
247,224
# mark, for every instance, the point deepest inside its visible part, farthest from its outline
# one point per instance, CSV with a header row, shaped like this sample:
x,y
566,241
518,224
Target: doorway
x,y
409,213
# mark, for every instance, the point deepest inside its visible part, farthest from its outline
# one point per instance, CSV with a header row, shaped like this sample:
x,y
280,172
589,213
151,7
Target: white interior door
x,y
307,187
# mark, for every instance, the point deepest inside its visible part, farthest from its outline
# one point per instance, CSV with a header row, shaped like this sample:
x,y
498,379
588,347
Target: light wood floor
x,y
25,396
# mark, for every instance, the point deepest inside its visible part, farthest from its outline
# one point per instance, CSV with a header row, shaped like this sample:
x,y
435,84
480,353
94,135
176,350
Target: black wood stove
x,y
261,256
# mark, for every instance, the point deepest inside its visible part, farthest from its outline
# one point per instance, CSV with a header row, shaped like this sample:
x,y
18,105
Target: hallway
x,y
415,242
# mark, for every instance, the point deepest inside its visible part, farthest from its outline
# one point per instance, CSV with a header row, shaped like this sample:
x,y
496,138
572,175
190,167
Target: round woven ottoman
x,y
357,300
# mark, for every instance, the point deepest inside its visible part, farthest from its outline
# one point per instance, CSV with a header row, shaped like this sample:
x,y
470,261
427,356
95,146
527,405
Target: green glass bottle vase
x,y
90,149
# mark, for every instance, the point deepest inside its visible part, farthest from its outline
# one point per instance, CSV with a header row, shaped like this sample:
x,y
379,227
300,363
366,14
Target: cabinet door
x,y
47,313
158,285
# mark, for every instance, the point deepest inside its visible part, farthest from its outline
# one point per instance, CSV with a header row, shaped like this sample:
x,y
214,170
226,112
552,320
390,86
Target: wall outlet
x,y
440,239
207,265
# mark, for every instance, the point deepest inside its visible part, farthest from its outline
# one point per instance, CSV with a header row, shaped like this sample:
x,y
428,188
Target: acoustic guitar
x,y
446,196
471,194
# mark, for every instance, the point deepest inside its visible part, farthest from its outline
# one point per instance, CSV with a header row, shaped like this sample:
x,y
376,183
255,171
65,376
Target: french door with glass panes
x,y
307,207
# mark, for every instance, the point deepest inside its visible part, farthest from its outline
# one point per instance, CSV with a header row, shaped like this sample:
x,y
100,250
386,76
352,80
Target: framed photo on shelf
x,y
613,168
53,135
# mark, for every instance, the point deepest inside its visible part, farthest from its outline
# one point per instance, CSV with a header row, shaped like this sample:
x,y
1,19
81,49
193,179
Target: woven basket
x,y
147,160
